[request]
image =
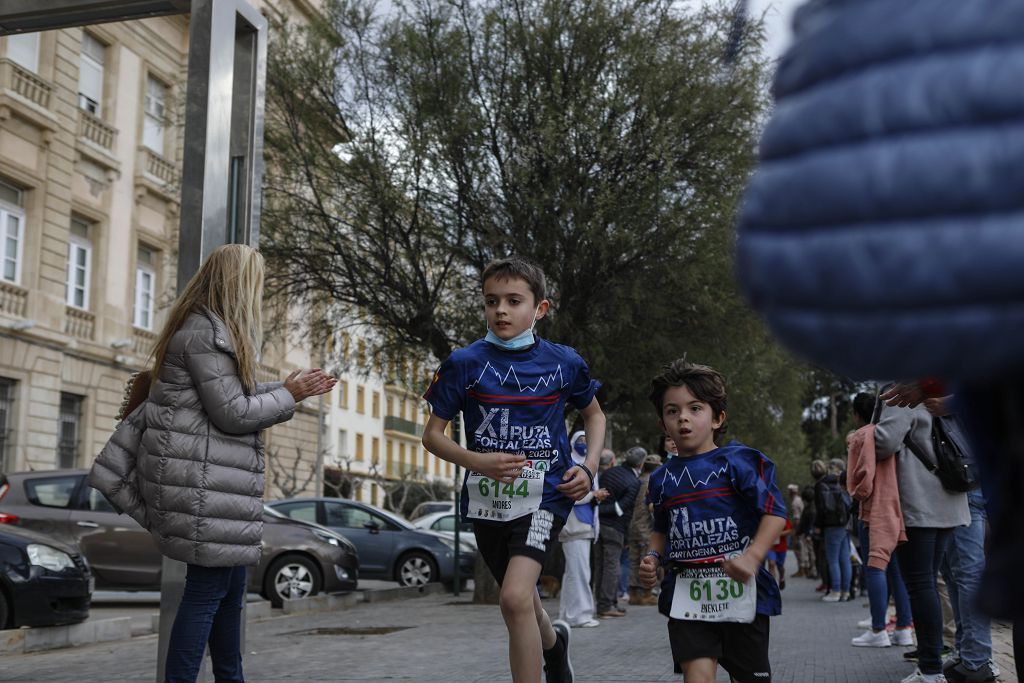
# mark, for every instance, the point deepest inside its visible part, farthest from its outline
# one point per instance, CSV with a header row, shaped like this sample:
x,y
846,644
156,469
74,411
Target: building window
x,y
154,115
373,494
76,288
7,463
342,394
376,404
361,354
90,74
23,49
390,406
68,428
401,459
12,225
359,494
342,444
390,464
145,283
360,399
359,447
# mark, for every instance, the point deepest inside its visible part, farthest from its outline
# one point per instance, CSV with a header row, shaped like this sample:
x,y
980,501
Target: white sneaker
x,y
871,639
903,637
831,597
590,623
995,668
864,623
918,677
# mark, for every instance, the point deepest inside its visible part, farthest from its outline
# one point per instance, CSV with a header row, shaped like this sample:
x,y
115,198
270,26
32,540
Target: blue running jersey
x,y
515,402
710,505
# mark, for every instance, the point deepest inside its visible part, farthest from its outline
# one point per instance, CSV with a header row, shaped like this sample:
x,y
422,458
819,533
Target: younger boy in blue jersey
x,y
512,390
717,511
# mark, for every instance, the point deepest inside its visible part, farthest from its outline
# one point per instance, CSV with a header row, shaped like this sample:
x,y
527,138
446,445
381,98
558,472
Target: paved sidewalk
x,y
444,640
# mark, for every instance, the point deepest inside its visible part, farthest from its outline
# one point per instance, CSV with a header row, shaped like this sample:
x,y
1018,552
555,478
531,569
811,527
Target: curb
x,y
41,638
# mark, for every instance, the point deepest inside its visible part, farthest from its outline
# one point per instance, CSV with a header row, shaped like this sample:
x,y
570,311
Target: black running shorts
x,y
741,649
529,535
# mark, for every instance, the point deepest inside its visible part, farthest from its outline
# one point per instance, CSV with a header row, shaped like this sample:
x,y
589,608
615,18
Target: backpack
x,y
835,505
950,465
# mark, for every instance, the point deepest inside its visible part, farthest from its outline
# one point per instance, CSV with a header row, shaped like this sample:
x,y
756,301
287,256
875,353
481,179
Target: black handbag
x,y
950,466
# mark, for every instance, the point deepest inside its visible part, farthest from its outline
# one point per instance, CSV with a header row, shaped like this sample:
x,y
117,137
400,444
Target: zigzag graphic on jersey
x,y
504,379
700,482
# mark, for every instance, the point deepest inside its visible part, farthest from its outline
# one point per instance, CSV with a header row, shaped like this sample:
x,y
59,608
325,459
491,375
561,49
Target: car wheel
x,y
416,569
291,577
5,612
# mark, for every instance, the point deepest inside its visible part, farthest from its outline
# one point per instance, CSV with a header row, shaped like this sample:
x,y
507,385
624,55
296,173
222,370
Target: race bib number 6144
x,y
491,499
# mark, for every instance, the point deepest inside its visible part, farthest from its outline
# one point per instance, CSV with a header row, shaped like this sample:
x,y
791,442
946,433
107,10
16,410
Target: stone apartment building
x,y
90,160
375,420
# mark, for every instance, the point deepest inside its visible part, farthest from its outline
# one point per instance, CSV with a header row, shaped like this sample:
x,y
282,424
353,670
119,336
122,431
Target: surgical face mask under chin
x,y
521,341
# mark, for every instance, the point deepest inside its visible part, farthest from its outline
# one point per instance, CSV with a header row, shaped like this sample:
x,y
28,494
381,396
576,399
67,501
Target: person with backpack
x,y
930,513
833,513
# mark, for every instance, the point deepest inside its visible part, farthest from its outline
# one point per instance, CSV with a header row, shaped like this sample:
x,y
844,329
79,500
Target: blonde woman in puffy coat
x,y
199,472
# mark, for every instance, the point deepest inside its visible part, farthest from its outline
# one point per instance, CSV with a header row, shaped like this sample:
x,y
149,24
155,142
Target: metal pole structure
x,y
221,176
457,580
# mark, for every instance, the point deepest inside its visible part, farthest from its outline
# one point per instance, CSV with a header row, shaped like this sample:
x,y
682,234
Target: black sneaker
x,y
911,655
958,673
557,665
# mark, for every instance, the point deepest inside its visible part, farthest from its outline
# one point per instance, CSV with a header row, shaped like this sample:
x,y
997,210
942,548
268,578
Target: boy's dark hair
x,y
864,406
517,266
705,383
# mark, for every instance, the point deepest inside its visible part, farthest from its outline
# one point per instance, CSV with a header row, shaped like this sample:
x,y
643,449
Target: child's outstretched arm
x,y
648,571
743,567
576,483
504,467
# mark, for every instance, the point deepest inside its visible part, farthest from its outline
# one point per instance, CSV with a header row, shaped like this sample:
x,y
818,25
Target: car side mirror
x,y
373,527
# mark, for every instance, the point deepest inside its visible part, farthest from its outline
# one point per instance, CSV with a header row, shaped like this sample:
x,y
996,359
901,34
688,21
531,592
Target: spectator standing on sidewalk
x,y
833,513
796,511
930,513
576,601
204,399
963,567
640,528
818,471
873,484
806,557
616,511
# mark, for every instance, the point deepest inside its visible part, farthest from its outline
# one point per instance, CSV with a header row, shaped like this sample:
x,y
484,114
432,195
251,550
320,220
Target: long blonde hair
x,y
230,285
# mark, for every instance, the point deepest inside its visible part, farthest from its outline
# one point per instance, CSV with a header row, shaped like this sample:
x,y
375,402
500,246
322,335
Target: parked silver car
x,y
390,548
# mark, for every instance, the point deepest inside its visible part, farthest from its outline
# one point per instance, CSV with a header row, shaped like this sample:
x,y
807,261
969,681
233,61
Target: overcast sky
x,y
778,14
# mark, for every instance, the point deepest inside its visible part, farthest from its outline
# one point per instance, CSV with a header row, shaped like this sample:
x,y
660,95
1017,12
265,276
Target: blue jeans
x,y
962,570
882,582
837,550
920,558
210,613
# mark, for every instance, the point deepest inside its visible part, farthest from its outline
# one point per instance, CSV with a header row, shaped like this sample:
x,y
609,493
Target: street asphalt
x,y
442,639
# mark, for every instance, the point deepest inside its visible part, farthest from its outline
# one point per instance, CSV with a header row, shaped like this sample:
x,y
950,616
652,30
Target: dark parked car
x,y
42,582
390,548
299,559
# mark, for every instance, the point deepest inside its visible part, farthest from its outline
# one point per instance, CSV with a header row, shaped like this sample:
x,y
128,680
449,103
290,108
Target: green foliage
x,y
605,140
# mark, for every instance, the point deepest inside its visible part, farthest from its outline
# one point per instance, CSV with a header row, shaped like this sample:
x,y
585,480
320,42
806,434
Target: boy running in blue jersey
x,y
717,512
512,390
